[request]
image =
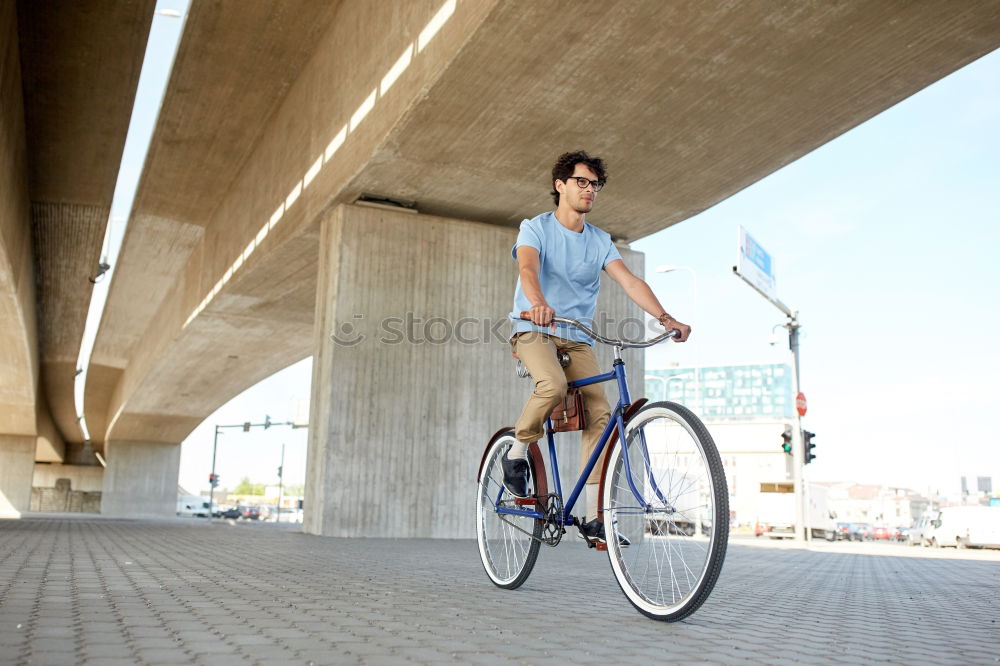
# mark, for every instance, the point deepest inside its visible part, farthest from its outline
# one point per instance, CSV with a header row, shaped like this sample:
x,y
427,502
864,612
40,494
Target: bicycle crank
x,y
549,505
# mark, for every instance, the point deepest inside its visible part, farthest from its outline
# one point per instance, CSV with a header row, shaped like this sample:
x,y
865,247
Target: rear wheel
x,y
667,547
508,544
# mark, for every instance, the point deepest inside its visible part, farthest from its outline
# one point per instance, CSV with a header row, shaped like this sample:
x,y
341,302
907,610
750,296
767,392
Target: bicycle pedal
x,y
601,546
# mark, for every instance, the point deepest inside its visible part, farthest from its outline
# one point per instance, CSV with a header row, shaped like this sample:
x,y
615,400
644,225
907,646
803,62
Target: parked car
x,y
847,532
228,512
881,533
251,512
864,531
900,534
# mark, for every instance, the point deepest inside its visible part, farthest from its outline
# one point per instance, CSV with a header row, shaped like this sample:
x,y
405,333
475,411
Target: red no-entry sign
x,y
800,403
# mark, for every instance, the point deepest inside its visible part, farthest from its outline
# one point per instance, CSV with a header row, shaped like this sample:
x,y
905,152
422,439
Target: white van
x,y
918,533
192,506
964,526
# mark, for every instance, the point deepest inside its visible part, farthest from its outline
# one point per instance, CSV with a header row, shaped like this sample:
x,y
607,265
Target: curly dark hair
x,y
564,166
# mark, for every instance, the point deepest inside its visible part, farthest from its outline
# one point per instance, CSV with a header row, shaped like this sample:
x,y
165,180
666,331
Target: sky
x,y
256,454
883,239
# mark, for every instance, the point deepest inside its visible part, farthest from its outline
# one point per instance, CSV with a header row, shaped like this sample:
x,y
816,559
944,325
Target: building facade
x,y
727,393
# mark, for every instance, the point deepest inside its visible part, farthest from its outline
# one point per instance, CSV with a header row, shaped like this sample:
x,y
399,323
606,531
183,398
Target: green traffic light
x,y
786,440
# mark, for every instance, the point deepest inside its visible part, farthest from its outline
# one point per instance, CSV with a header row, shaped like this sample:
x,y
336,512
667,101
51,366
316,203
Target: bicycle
x,y
663,500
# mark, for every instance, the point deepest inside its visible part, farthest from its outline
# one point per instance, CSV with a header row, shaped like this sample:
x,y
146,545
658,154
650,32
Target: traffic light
x,y
807,443
267,422
786,440
213,480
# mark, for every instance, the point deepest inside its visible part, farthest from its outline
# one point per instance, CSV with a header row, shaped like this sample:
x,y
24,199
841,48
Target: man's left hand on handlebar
x,y
671,324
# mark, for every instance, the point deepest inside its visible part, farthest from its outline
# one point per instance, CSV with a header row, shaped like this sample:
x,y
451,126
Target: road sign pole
x,y
756,268
798,447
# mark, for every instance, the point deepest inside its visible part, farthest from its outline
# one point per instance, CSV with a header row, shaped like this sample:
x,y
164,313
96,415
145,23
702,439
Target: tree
x,y
245,487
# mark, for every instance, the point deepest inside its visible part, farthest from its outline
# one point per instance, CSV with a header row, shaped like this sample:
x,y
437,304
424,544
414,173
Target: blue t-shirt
x,y
569,271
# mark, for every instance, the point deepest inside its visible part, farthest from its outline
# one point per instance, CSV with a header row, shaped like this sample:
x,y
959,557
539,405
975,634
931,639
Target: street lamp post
x,y
683,377
662,380
669,268
665,381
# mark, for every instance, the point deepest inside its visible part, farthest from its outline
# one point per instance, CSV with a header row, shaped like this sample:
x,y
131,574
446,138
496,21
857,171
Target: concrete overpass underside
x,y
245,251
68,75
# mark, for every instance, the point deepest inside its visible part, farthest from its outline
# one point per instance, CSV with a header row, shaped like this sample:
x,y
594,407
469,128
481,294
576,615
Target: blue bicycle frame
x,y
617,420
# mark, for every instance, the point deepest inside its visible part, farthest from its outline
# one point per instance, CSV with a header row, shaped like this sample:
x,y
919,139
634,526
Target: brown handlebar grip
x,y
526,316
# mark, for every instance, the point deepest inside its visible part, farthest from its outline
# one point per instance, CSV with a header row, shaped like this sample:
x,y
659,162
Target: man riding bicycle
x,y
560,257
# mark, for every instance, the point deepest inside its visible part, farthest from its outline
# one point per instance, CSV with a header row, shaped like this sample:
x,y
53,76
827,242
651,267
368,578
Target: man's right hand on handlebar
x,y
541,315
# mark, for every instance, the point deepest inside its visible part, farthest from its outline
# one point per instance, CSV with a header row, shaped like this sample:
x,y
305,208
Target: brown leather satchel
x,y
569,414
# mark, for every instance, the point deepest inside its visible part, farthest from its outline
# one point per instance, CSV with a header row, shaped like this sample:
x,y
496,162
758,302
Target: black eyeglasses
x,y
582,182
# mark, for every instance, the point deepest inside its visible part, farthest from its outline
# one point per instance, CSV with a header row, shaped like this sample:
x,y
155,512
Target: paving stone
x,y
53,659
163,592
116,651
227,660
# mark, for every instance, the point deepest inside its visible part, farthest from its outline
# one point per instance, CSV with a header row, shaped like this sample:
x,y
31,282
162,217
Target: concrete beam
x,y
50,447
17,463
403,406
80,66
18,330
140,480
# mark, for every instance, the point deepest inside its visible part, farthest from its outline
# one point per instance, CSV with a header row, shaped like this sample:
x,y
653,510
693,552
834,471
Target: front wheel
x,y
666,512
508,544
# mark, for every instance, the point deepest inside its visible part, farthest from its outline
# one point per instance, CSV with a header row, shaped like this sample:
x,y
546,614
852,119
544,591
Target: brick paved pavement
x,y
110,592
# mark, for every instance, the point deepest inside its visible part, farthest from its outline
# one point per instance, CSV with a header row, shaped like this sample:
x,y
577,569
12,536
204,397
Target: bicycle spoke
x,y
508,543
671,558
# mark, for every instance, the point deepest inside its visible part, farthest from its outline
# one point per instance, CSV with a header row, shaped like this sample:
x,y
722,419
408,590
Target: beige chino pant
x,y
538,353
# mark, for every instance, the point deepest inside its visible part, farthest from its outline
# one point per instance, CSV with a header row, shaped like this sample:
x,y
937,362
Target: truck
x,y
193,506
965,527
776,512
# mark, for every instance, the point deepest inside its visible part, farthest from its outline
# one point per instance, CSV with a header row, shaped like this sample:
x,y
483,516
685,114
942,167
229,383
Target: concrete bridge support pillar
x,y
141,480
17,465
411,370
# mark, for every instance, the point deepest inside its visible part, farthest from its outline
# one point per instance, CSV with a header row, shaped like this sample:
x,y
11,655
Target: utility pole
x,y
246,427
211,478
281,487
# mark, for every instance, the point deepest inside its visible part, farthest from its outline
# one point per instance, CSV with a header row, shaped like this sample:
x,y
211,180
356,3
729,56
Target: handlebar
x,y
623,344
